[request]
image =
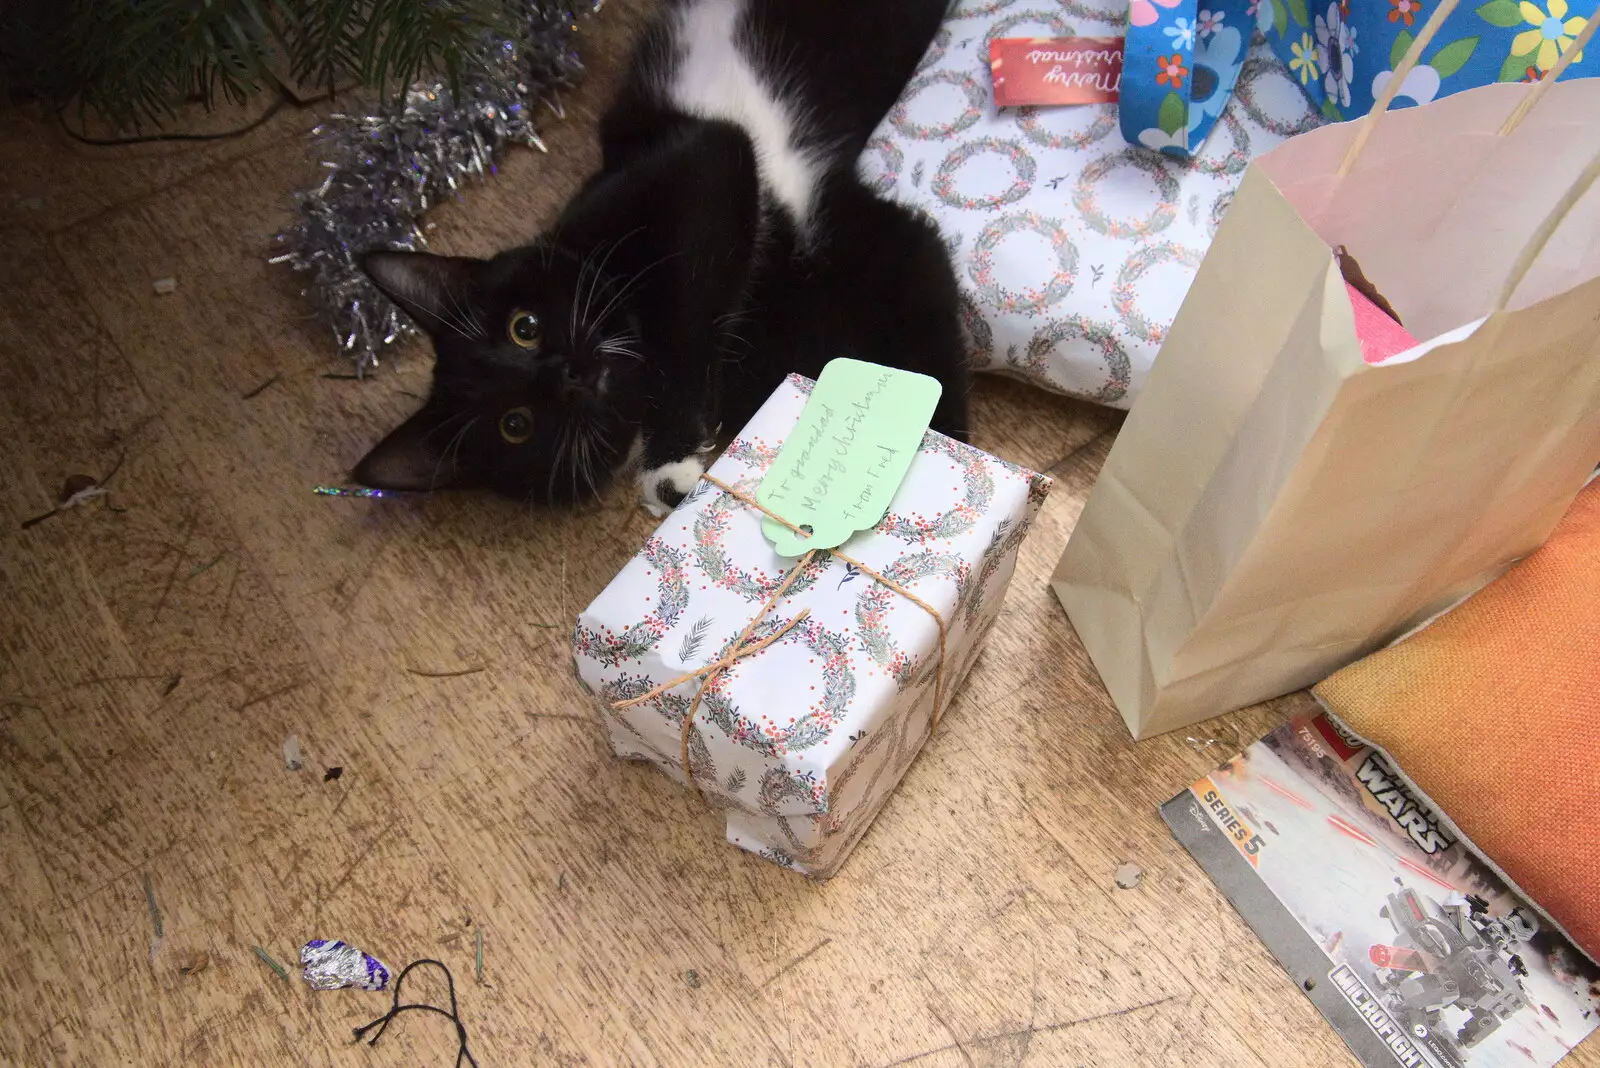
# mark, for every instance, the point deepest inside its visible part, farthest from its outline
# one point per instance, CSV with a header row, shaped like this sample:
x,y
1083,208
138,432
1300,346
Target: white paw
x,y
663,487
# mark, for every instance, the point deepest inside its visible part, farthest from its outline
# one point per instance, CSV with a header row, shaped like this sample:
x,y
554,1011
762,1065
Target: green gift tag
x,y
838,469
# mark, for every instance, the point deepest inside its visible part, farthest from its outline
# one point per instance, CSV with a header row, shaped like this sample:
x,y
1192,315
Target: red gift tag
x,y
1055,70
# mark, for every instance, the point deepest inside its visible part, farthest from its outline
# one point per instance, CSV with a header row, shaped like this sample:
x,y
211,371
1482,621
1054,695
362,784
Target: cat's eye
x,y
516,426
525,329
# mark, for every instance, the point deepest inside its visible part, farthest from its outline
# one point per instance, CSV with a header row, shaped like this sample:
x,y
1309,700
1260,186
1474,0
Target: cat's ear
x,y
436,291
413,457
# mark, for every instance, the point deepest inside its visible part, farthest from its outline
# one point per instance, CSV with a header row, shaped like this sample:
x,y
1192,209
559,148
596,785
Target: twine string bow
x,y
746,644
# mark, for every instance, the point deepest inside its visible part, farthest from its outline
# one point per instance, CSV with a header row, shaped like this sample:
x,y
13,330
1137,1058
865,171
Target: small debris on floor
x,y
150,903
353,491
262,388
291,753
479,957
454,928
1200,745
333,965
76,490
1128,876
692,977
163,286
170,685
80,489
332,774
277,968
463,1054
193,963
207,566
445,674
156,940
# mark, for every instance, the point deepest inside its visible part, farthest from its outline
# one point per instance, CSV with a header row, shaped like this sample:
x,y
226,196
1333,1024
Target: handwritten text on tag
x,y
840,466
1055,70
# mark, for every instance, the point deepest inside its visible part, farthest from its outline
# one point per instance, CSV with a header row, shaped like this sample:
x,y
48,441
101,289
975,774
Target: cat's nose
x,y
584,383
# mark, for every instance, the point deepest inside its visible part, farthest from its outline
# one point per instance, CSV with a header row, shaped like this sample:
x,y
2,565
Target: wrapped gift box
x,y
802,742
1074,249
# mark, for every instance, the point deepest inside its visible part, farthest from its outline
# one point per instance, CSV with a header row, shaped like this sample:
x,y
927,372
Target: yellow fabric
x,y
1494,712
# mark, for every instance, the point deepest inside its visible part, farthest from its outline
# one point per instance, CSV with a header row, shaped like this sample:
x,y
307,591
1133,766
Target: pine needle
x,y
207,566
138,62
445,674
262,388
150,902
274,965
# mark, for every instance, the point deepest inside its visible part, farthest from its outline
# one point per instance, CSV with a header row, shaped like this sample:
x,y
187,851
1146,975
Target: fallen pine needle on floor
x,y
207,566
480,956
274,965
262,388
150,902
445,674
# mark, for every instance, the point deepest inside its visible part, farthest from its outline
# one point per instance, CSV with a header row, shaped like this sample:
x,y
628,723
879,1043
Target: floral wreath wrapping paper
x,y
1073,248
801,743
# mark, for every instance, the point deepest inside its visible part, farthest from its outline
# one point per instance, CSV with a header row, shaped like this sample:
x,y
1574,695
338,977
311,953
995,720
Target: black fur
x,y
675,292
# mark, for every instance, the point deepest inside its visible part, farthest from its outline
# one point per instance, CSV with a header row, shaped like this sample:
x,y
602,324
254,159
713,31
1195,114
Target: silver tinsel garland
x,y
385,169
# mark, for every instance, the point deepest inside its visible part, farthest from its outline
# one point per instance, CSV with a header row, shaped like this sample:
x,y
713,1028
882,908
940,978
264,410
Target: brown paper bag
x,y
1274,507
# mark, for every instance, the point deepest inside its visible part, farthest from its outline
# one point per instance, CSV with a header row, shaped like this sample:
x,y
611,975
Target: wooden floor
x,y
158,645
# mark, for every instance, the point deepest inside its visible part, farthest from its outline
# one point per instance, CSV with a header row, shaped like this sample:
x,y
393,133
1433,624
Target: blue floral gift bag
x,y
1183,56
1347,52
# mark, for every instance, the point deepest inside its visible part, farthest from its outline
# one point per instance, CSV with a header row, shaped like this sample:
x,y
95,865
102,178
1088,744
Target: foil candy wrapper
x,y
333,965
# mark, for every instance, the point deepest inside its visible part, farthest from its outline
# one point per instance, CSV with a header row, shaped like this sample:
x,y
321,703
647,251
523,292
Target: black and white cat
x,y
725,242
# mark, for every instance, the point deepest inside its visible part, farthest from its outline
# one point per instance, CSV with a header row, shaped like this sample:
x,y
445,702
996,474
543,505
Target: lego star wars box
x,y
1416,951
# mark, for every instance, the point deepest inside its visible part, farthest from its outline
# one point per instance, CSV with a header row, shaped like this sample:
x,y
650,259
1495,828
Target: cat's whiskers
x,y
554,242
456,327
555,463
599,322
465,316
581,450
460,440
452,448
595,450
621,345
600,271
577,290
572,468
725,323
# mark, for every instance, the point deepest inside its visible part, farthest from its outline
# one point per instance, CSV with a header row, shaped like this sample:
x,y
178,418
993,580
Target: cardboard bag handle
x,y
1413,56
1579,43
1581,185
1546,229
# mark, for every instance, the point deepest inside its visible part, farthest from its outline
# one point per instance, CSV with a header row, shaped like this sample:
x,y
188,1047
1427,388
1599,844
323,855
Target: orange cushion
x,y
1494,712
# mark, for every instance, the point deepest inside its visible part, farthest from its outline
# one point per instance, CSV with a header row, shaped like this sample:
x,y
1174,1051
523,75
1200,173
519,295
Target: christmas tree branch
x,y
138,62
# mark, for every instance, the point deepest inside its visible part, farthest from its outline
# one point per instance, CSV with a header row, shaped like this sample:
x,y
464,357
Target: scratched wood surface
x,y
158,645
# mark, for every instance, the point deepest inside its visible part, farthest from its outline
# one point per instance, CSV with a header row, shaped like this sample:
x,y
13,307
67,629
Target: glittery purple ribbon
x,y
350,491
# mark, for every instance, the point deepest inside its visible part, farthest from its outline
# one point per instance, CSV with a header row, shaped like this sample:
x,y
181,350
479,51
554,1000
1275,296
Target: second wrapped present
x,y
802,740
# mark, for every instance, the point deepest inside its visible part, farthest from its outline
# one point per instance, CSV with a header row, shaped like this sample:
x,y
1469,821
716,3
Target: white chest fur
x,y
715,80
